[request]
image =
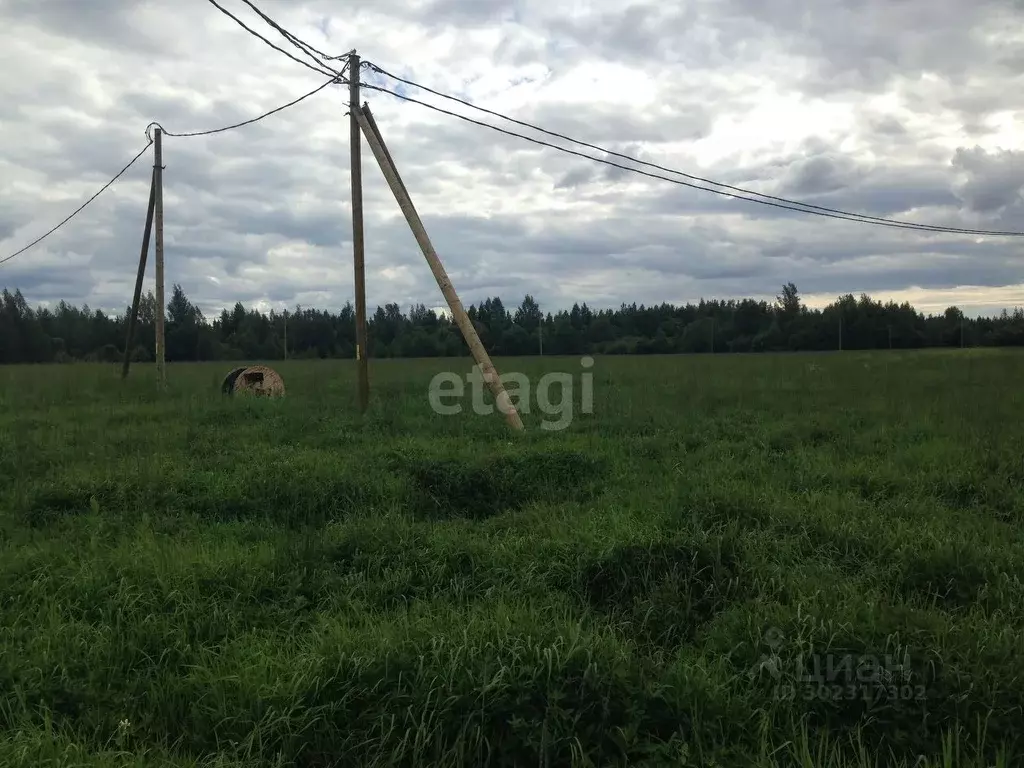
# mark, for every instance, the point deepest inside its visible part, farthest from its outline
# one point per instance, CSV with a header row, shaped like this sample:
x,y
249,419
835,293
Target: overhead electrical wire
x,y
79,209
840,215
292,103
334,75
321,69
332,80
736,192
314,53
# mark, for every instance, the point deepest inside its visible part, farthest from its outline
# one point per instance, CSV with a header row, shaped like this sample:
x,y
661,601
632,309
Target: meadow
x,y
734,560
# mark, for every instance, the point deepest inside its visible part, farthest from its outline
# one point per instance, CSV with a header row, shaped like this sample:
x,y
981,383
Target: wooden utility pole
x,y
139,276
476,347
286,334
540,334
358,244
158,176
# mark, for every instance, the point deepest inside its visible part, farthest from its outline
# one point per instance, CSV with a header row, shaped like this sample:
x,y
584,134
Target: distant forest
x,y
68,333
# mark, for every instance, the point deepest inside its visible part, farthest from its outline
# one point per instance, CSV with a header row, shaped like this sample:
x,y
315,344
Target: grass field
x,y
686,576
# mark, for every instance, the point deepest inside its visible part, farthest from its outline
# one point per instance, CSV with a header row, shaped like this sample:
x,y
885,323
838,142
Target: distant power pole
x,y
286,334
540,334
158,210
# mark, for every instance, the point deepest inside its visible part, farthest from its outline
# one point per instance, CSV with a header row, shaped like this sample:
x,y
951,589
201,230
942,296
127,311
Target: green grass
x,y
189,579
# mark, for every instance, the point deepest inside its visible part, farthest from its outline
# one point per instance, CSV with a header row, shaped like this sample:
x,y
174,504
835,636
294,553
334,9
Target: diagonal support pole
x,y
140,276
476,347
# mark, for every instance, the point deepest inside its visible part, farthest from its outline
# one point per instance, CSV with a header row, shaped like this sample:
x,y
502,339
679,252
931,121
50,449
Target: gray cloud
x,y
865,45
993,181
111,23
895,110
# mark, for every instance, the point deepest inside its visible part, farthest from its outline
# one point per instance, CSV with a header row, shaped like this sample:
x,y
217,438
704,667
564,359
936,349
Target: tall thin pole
x,y
286,334
358,244
139,276
476,347
540,334
158,175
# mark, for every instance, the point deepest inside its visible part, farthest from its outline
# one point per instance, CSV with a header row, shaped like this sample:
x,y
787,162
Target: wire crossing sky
x,y
334,80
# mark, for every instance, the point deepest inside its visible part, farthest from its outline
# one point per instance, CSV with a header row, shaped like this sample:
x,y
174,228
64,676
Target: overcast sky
x,y
907,109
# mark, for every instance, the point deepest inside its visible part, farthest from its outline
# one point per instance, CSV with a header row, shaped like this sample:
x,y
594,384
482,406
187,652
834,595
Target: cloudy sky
x,y
908,109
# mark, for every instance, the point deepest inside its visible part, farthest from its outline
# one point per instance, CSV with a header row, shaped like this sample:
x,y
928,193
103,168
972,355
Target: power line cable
x,y
380,70
842,216
317,55
307,49
79,209
781,201
253,32
292,103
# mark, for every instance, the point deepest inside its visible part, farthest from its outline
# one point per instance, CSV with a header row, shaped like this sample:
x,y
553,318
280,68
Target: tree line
x,y
68,333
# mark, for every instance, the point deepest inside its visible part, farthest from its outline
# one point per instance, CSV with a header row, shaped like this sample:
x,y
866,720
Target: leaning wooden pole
x,y
132,318
376,132
476,347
